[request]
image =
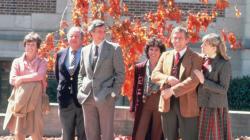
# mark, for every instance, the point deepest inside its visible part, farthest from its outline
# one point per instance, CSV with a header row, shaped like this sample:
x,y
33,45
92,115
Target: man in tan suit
x,y
178,101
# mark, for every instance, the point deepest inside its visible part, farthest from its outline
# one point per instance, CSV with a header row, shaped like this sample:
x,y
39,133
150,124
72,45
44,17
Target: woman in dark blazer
x,y
214,122
146,95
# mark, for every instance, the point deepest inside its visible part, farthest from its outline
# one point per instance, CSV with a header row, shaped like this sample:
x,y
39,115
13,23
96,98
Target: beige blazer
x,y
23,100
186,89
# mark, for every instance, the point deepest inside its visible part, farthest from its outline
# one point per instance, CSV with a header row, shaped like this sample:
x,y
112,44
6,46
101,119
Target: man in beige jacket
x,y
178,101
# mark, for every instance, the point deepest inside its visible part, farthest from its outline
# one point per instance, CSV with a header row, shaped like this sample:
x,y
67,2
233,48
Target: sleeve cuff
x,y
113,95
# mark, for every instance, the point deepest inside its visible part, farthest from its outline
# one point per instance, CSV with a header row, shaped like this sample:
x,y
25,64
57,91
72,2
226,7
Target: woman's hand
x,y
200,75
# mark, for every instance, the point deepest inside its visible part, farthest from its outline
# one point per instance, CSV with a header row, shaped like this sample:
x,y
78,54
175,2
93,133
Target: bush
x,y
51,90
239,94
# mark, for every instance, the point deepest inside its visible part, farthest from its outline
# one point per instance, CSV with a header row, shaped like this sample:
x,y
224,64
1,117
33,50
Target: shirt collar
x,y
32,62
182,52
78,50
99,45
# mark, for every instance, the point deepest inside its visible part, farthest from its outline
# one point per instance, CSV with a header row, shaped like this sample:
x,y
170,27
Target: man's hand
x,y
167,93
171,80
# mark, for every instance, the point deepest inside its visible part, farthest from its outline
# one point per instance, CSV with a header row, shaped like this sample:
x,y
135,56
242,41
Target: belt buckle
x,y
154,92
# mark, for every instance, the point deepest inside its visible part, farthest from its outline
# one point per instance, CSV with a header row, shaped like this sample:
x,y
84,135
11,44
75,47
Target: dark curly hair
x,y
154,42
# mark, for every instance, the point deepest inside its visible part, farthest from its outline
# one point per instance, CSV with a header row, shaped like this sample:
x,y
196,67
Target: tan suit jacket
x,y
24,105
108,75
186,89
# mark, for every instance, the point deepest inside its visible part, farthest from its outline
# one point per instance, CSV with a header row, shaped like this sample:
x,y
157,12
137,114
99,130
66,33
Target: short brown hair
x,y
179,29
32,37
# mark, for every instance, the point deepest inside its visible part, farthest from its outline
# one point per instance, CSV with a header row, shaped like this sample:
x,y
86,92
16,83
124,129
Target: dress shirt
x,y
182,52
70,57
100,45
21,66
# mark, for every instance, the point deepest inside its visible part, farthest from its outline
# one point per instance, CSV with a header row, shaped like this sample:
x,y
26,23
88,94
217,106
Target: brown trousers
x,y
150,110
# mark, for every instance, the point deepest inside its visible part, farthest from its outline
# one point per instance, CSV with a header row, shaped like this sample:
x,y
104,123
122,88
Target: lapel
x,y
186,62
169,62
216,64
87,58
79,59
62,62
104,52
142,68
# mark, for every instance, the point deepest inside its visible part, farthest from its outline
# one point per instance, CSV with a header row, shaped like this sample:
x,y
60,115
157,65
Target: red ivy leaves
x,y
196,23
132,35
222,4
45,50
132,38
232,40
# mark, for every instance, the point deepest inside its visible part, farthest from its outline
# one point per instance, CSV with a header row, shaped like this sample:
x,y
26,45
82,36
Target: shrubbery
x,y
239,94
51,90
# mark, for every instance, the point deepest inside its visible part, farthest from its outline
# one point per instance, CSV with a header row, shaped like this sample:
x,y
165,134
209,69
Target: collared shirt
x,y
100,45
149,86
182,52
70,57
21,66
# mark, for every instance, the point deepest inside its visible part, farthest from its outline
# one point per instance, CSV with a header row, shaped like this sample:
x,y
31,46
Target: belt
x,y
145,96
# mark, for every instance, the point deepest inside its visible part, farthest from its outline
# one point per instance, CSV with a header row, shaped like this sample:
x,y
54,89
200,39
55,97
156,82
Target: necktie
x,y
95,57
176,58
73,63
174,71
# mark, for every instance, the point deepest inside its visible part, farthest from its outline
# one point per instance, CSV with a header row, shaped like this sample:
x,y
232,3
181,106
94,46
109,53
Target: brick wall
x,y
139,8
26,7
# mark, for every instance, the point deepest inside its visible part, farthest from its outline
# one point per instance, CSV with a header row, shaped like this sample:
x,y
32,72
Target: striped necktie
x,y
73,63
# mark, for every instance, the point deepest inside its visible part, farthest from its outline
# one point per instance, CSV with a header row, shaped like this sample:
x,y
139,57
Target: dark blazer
x,y
138,88
213,93
137,103
67,85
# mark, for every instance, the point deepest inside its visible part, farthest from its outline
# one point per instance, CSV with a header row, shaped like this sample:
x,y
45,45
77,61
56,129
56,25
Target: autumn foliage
x,y
132,34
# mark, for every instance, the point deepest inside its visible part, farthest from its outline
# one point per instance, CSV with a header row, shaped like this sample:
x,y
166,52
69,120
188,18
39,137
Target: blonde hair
x,y
215,40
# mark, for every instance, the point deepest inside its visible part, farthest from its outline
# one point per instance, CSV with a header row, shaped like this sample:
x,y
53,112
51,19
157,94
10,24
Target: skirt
x,y
214,124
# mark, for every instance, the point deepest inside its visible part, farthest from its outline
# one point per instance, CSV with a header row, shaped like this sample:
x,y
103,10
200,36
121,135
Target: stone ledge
x,y
124,122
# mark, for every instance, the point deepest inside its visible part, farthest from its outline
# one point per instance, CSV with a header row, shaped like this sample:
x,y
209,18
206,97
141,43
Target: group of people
x,y
176,94
180,93
89,82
